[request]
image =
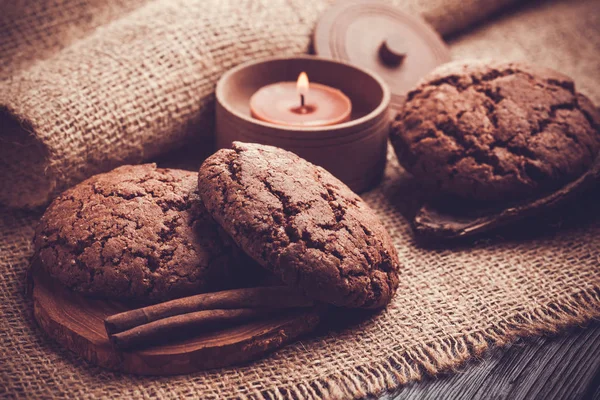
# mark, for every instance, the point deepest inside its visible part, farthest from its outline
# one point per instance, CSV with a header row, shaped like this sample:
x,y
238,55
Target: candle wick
x,y
301,100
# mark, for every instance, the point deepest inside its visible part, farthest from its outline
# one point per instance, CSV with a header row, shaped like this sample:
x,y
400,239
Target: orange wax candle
x,y
298,104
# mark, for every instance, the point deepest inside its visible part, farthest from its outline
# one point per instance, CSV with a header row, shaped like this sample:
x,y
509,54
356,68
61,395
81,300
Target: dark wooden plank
x,y
594,393
561,367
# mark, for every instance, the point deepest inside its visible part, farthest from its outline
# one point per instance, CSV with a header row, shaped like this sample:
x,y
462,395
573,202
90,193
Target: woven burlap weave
x,y
138,85
452,303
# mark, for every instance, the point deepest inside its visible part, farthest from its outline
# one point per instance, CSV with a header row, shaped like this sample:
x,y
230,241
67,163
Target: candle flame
x,y
302,84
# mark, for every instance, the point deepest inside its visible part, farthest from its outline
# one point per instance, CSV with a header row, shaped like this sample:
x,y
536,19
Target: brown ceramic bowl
x,y
354,151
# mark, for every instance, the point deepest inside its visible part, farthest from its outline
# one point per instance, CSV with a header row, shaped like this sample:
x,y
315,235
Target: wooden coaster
x,y
77,323
399,47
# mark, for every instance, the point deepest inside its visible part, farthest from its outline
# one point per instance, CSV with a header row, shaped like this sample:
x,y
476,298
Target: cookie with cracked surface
x,y
301,223
492,131
139,233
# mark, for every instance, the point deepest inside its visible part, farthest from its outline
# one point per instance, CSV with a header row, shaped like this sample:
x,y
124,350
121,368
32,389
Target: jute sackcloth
x,y
37,29
140,84
453,302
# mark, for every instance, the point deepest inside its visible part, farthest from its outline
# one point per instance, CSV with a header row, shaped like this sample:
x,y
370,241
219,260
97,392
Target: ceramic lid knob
x,y
378,36
392,51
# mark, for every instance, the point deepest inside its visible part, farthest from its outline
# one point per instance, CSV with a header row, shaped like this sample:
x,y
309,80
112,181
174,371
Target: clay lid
x,y
401,48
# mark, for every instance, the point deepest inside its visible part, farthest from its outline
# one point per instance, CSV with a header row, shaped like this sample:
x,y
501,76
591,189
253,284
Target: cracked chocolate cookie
x,y
301,223
137,232
490,131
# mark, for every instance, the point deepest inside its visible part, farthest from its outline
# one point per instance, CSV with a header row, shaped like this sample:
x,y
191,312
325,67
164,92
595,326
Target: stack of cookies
x,y
143,234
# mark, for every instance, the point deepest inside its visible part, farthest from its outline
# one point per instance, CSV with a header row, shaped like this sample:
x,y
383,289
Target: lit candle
x,y
297,104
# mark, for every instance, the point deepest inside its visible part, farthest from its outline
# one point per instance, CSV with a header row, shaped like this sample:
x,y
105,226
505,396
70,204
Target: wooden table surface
x,y
565,366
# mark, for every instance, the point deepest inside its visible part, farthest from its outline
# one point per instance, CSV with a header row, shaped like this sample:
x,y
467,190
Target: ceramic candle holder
x,y
354,151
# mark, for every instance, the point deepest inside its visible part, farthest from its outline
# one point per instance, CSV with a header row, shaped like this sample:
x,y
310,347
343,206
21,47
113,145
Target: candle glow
x,y
302,86
288,103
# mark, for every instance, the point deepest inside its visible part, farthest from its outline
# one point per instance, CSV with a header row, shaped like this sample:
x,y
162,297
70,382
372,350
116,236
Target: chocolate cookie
x,y
137,232
489,131
301,223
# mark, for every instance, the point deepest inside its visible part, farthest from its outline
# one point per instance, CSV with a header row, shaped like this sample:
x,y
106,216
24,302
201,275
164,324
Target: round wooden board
x,y
77,323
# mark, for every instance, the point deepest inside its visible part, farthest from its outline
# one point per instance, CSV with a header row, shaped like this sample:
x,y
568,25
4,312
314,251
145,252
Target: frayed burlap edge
x,y
449,354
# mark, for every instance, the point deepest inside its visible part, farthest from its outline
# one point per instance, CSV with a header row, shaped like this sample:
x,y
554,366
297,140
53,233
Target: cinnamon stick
x,y
272,297
183,325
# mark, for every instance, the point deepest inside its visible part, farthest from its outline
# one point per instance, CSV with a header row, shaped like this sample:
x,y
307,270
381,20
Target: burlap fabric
x,y
140,84
34,30
452,303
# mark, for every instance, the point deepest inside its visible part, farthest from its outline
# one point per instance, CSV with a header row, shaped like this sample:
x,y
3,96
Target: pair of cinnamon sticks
x,y
155,323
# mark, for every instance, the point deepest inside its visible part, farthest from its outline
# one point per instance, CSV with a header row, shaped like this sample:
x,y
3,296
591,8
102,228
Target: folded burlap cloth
x,y
87,85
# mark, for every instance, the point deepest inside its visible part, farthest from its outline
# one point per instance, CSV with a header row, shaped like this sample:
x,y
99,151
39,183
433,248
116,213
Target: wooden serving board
x,y
77,323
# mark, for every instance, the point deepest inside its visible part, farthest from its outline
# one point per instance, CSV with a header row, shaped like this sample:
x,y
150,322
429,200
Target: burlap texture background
x,y
140,84
452,303
33,30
